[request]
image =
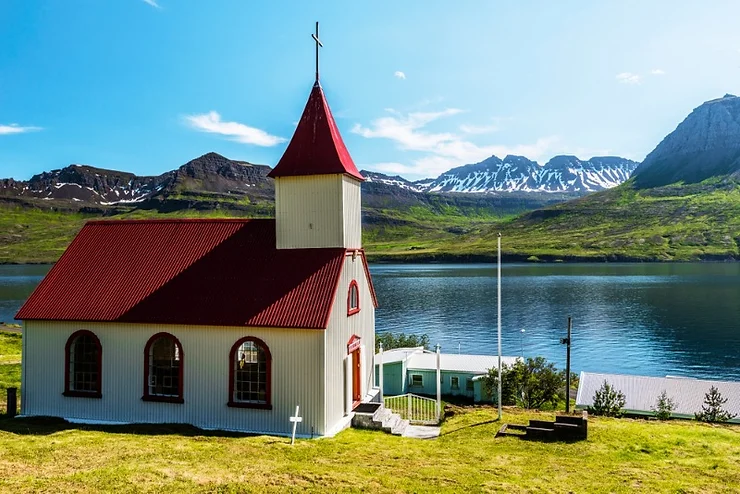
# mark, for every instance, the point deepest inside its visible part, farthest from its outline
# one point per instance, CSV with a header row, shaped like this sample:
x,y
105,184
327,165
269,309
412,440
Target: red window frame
x,y
147,349
268,375
76,393
353,310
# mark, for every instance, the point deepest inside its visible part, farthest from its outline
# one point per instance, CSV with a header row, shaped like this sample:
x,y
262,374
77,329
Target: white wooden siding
x,y
297,376
309,212
340,330
352,213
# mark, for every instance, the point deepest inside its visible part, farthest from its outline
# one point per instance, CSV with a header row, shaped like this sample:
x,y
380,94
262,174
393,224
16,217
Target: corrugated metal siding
x,y
309,212
392,378
162,272
340,330
352,213
297,376
641,392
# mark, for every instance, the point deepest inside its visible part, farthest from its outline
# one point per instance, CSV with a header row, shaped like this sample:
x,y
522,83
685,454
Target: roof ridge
x,y
177,220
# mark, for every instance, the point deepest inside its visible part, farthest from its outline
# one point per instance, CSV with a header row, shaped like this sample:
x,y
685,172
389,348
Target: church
x,y
223,324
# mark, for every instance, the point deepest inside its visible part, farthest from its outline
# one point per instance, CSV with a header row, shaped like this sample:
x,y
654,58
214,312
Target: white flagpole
x,y
498,292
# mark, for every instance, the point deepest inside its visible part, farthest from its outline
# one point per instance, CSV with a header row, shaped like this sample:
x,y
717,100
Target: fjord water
x,y
649,319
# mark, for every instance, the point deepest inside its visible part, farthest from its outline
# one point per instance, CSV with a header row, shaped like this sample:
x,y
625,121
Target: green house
x,y
414,370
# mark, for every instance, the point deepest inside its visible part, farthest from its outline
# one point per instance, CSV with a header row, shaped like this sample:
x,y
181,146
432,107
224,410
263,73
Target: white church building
x,y
224,324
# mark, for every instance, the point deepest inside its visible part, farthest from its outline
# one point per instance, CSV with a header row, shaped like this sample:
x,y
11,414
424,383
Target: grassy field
x,y
673,223
10,365
621,455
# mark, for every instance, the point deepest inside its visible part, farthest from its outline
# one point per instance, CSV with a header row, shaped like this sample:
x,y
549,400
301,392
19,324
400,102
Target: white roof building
x,y
641,392
420,359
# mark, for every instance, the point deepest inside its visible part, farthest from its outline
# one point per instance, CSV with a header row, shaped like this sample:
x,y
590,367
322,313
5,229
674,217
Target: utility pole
x,y
566,341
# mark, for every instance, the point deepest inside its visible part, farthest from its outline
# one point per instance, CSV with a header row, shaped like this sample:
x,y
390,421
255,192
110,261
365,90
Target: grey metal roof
x,y
641,392
419,359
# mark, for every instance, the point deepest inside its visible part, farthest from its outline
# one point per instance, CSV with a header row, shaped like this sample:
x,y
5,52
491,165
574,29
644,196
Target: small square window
x,y
455,382
469,385
416,380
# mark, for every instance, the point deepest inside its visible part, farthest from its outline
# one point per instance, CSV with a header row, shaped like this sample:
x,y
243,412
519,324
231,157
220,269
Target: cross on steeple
x,y
318,43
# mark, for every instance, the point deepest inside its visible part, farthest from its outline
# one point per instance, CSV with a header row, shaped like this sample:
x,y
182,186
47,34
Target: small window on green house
x,y
455,382
469,385
416,380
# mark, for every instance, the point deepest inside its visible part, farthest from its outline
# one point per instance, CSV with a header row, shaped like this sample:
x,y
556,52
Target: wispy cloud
x,y
211,122
629,78
399,74
657,72
443,150
17,129
479,129
153,3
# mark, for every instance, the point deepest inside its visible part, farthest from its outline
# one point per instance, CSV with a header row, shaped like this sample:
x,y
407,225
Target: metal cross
x,y
318,43
295,420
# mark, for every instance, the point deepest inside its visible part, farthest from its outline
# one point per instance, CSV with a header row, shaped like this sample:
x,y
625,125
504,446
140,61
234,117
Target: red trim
x,y
268,377
164,399
353,344
83,394
350,309
367,274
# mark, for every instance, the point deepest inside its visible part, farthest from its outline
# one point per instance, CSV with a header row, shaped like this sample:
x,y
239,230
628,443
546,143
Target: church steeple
x,y
316,147
317,185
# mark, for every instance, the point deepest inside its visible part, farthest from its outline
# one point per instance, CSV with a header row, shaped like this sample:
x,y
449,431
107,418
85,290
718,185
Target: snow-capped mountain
x,y
517,173
396,181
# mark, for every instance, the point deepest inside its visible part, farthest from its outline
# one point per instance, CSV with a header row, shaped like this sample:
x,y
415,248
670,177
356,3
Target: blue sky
x,y
416,87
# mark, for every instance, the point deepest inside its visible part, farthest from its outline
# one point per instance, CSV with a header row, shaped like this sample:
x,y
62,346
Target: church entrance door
x,y
356,391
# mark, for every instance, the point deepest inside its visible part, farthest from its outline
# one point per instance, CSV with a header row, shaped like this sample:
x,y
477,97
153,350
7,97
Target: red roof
x,y
196,272
316,147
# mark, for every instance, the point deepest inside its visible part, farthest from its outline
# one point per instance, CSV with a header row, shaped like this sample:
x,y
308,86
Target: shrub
x,y
400,340
664,406
530,384
712,410
607,401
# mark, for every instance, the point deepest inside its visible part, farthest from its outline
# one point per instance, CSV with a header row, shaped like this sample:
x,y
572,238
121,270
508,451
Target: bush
x,y
530,384
607,401
664,406
712,410
400,340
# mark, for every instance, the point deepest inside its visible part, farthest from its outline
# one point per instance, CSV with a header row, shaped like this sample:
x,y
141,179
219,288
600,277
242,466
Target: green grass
x,y
10,365
620,456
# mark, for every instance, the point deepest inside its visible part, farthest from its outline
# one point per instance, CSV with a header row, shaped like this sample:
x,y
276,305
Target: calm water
x,y
651,319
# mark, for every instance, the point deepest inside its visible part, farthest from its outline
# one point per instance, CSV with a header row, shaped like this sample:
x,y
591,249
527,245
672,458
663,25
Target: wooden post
x,y
380,371
12,402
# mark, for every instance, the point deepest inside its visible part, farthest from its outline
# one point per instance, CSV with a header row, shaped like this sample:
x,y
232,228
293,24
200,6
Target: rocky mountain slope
x,y
706,144
517,173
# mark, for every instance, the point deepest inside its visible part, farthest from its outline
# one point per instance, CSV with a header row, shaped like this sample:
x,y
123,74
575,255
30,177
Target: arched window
x,y
83,365
353,298
163,359
250,364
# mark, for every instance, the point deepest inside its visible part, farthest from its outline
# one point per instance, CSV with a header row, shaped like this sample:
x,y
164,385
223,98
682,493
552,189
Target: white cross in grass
x,y
295,421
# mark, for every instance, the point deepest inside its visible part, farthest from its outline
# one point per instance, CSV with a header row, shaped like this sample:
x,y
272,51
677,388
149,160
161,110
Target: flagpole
x,y
498,292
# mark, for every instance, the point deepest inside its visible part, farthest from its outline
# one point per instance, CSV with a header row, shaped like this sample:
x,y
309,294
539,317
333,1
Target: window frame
x,y
455,382
469,384
268,375
147,349
67,347
421,381
353,286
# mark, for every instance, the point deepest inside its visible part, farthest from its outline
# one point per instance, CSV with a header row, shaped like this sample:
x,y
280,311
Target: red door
x,y
356,393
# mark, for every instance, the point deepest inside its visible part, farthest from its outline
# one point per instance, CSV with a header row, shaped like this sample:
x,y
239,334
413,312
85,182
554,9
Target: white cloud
x,y
211,122
16,129
399,74
153,3
479,129
443,150
657,72
629,78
